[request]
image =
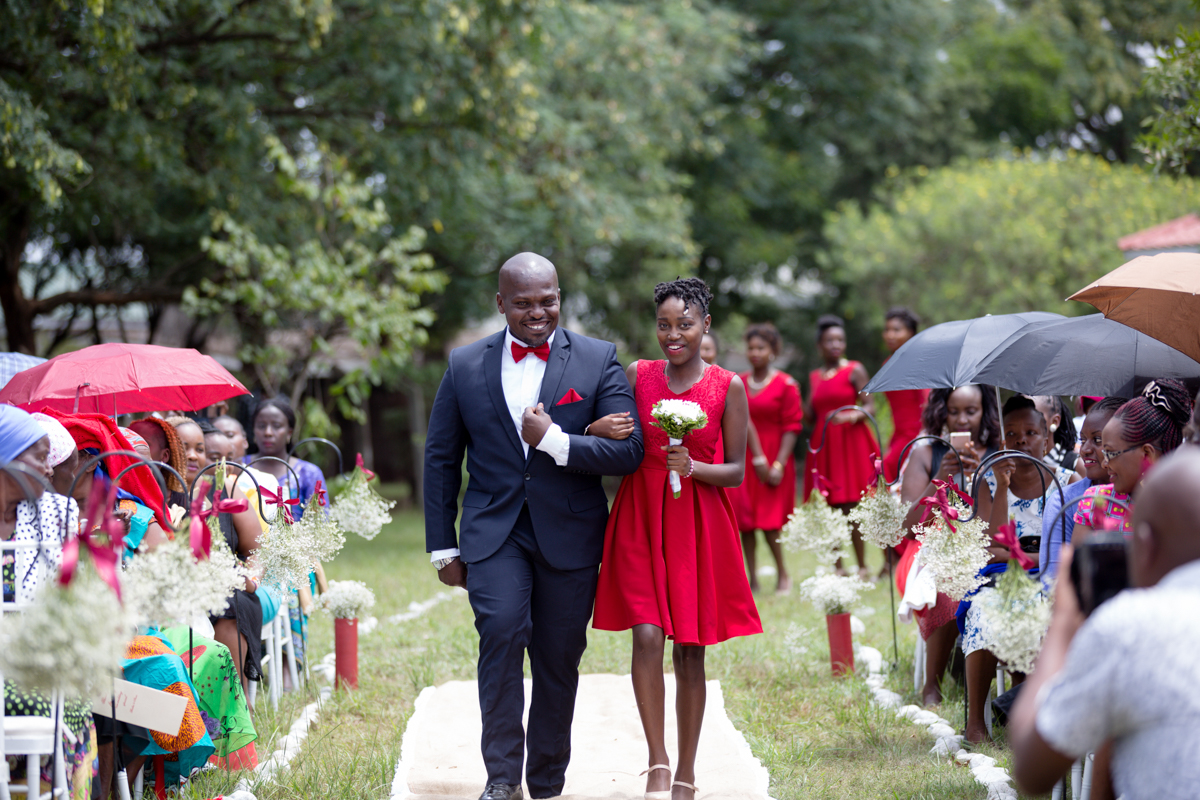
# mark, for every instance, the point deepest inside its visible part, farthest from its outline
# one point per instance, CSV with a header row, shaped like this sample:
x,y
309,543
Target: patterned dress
x,y
675,562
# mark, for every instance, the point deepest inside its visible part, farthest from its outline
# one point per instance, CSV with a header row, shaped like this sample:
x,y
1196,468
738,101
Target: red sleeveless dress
x,y
846,461
675,563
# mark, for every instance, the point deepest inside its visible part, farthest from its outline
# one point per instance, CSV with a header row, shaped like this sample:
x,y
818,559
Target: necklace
x,y
829,372
758,386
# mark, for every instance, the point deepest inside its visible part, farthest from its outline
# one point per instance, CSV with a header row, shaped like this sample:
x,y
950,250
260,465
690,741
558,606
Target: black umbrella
x,y
948,355
1083,355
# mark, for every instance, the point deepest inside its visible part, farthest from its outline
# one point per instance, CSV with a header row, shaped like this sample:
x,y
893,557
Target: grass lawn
x,y
819,737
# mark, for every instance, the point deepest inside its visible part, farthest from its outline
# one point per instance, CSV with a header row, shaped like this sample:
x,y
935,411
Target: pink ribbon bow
x,y
820,484
370,475
276,498
1006,536
200,536
321,495
941,501
878,462
105,557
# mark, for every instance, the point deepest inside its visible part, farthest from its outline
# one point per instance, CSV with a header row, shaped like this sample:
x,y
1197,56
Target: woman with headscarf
x,y
31,514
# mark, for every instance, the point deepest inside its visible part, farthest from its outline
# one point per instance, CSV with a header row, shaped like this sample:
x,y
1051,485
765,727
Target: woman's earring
x,y
1053,427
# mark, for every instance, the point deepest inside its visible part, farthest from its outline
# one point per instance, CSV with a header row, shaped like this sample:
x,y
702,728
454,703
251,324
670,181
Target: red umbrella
x,y
123,378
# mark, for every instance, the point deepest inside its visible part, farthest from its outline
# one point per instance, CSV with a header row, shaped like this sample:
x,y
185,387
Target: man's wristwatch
x,y
443,562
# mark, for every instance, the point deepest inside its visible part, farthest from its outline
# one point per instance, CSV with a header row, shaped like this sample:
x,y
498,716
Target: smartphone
x,y
960,441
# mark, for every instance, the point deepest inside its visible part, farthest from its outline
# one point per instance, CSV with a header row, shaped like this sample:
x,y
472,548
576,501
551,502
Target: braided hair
x,y
1157,416
1065,435
692,291
933,418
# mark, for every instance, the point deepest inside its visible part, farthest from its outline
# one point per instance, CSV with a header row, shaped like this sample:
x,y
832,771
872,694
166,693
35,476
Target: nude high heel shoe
x,y
664,795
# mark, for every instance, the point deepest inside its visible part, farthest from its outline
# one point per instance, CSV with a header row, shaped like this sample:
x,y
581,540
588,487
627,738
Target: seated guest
x,y
1019,489
1062,428
1056,533
1140,433
165,448
1127,675
967,409
237,434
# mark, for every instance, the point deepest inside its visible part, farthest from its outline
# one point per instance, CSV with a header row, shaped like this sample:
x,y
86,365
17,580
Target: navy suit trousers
x,y
522,603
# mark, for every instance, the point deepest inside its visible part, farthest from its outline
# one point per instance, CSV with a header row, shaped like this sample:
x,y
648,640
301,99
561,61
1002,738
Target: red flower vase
x,y
345,646
841,643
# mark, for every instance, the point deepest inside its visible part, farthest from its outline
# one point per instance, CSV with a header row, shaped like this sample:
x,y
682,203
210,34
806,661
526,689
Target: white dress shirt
x,y
522,385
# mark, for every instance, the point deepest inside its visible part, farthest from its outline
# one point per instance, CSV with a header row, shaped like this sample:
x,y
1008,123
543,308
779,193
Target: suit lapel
x,y
495,387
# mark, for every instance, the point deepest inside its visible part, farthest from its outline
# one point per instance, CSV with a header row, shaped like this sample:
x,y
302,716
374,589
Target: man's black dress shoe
x,y
502,791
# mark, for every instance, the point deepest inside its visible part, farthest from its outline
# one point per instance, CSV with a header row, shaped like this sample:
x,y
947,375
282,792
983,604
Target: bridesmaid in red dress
x,y
906,405
845,462
768,494
672,566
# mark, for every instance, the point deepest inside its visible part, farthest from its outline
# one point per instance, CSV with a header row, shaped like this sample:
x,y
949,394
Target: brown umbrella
x,y
1157,295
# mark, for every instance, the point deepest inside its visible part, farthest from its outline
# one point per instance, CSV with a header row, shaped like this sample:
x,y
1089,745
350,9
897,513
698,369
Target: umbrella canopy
x,y
1156,295
949,355
123,378
12,363
1083,355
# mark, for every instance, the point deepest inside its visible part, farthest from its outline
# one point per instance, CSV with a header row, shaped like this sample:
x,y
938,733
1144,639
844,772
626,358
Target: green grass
x,y
818,736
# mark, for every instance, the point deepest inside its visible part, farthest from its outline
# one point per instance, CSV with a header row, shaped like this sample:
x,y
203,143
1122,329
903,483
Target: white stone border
x,y
983,768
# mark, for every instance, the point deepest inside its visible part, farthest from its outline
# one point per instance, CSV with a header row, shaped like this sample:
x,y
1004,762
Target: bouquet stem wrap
x,y
676,483
345,645
841,644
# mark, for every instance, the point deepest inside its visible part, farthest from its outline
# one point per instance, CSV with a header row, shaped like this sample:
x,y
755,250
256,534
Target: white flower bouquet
x,y
347,599
323,530
359,508
1015,616
287,552
819,528
170,585
880,517
955,552
71,639
677,418
831,593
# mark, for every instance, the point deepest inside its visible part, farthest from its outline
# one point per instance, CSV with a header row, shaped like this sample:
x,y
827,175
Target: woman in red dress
x,y
847,448
906,405
672,566
768,494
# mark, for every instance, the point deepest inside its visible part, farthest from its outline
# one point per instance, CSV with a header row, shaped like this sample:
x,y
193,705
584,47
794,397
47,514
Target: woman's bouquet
x,y
819,528
347,599
359,508
1016,615
880,517
831,593
677,418
170,584
71,639
956,551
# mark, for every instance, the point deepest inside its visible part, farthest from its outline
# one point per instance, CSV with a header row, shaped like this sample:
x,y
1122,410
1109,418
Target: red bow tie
x,y
519,351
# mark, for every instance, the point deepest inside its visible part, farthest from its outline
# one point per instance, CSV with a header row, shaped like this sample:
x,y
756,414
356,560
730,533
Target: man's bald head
x,y
1166,518
529,298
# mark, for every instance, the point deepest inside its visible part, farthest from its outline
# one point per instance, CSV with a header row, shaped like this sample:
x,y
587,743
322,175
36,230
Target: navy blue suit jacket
x,y
568,505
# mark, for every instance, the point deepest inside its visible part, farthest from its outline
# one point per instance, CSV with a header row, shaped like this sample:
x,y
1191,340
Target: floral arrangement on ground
x,y
831,593
347,599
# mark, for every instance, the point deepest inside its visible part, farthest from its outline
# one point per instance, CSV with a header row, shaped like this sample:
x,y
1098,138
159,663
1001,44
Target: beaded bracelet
x,y
691,467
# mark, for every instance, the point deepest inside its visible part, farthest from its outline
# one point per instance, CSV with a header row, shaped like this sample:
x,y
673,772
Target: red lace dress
x,y
675,563
774,410
906,406
845,459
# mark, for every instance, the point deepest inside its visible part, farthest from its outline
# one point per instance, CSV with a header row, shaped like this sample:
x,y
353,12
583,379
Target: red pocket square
x,y
571,396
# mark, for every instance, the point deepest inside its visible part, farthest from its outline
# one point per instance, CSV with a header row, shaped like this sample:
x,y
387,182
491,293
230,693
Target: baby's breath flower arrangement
x,y
819,528
1015,616
831,593
347,599
880,517
71,639
677,418
954,552
170,585
359,508
323,529
288,551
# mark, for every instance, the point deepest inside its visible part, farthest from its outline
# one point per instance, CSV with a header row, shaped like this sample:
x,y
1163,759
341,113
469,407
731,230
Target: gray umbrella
x,y
948,355
1084,355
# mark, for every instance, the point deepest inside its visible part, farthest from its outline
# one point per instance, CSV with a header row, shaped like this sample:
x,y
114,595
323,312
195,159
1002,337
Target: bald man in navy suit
x,y
519,404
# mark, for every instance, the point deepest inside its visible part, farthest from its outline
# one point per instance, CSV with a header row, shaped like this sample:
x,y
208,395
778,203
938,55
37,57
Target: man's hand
x,y
613,426
454,573
534,424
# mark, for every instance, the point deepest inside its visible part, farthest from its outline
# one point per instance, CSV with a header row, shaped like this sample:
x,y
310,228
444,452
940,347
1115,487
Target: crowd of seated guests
x,y
210,666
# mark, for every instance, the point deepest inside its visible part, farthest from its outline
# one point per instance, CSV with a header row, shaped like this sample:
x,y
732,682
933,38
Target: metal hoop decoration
x,y
245,471
904,451
162,485
336,449
1003,455
835,412
283,461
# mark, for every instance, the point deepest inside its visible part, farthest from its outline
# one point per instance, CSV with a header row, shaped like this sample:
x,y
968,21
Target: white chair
x,y
919,665
32,737
272,639
289,647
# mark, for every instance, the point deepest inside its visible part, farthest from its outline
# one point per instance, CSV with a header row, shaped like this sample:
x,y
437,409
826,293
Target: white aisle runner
x,y
440,755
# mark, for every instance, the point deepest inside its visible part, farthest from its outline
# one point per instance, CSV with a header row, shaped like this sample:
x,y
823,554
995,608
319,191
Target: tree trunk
x,y
18,311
